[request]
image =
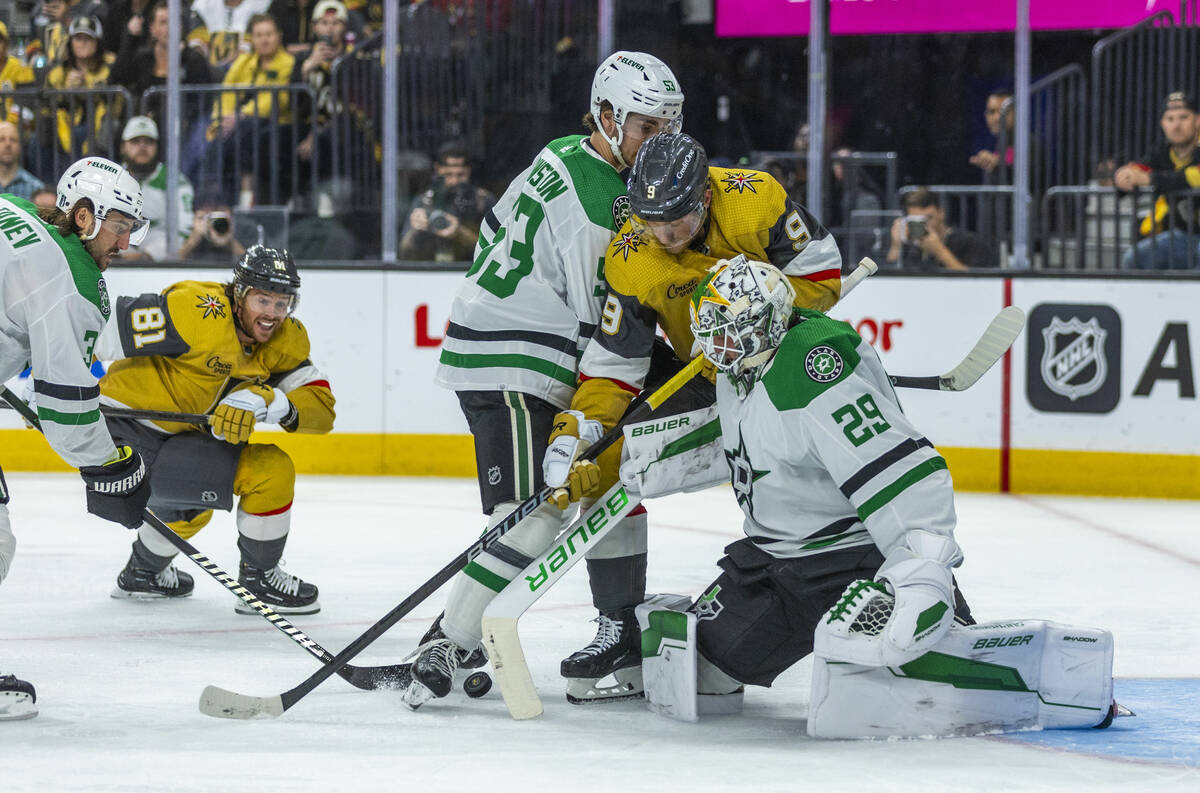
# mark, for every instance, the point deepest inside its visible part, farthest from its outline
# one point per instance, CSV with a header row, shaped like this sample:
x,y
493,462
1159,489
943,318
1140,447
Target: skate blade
x,y
416,695
625,684
121,594
311,608
16,706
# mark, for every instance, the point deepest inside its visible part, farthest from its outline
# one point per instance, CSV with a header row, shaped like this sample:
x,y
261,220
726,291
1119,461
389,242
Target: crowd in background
x,y
272,147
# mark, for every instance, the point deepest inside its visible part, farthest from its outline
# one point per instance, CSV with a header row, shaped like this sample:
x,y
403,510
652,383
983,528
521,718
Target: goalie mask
x,y
739,315
635,82
109,187
268,270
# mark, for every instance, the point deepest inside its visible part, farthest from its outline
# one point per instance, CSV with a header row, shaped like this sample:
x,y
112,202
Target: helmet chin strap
x,y
614,144
95,230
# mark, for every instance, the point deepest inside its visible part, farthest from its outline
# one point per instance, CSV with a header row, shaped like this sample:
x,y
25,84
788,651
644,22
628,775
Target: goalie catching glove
x,y
119,489
235,416
900,615
562,469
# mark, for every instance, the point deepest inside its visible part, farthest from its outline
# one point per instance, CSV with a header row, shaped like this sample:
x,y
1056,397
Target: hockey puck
x,y
477,684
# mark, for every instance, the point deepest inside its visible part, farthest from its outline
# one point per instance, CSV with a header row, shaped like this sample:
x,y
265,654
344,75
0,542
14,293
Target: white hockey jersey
x,y
821,455
533,295
53,305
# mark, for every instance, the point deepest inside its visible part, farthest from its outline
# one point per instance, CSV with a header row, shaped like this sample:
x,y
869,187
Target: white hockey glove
x,y
235,415
570,437
902,614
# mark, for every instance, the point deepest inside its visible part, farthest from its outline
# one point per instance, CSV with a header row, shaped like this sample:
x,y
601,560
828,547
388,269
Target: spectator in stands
x,y
13,74
211,238
139,155
988,160
922,241
13,178
315,69
1171,232
141,67
126,24
242,120
224,27
44,198
83,67
443,223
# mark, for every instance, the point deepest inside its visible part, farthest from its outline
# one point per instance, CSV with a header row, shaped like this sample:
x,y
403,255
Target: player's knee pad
x,y
678,681
188,528
1021,673
628,538
265,479
8,542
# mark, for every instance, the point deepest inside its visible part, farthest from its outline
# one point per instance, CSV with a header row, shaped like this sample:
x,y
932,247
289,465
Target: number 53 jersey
x,y
532,297
179,351
821,456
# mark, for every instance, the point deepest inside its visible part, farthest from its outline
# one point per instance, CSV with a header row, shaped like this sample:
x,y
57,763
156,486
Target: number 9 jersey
x,y
532,297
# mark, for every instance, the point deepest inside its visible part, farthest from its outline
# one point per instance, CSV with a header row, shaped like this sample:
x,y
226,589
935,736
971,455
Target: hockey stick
x,y
394,675
501,615
995,341
221,703
111,411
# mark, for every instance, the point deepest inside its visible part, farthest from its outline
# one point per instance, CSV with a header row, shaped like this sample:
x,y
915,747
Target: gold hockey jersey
x,y
750,213
179,351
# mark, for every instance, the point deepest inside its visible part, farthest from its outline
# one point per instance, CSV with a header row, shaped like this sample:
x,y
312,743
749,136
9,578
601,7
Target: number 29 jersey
x,y
822,457
532,297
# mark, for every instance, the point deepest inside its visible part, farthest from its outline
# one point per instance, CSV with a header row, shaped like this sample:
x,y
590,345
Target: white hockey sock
x,y
485,576
155,543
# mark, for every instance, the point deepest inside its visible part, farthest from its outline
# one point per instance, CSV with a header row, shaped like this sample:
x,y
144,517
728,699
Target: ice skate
x,y
138,583
18,700
433,672
279,589
473,660
614,654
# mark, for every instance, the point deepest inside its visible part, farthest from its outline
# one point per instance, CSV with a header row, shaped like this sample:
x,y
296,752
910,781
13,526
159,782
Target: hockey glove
x,y
119,489
235,416
574,479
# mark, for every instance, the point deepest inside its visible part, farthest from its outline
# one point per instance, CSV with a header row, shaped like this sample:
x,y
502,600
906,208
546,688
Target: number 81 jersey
x,y
821,455
532,297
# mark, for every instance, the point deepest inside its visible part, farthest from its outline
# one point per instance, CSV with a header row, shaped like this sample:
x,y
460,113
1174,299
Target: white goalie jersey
x,y
533,295
821,456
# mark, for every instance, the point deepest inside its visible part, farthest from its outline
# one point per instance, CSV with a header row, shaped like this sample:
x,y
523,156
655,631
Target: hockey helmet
x,y
269,270
669,177
635,82
109,187
739,313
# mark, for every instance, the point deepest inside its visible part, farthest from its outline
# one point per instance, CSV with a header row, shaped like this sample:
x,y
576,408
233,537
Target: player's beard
x,y
100,253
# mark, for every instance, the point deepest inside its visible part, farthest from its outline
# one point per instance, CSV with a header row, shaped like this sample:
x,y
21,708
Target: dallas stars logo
x,y
742,475
212,305
741,181
629,243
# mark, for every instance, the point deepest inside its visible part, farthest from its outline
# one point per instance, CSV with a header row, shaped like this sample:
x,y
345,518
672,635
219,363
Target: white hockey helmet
x,y
109,187
635,82
739,315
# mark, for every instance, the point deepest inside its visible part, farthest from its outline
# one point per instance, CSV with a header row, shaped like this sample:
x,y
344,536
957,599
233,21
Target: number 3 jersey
x,y
53,305
179,351
820,454
532,297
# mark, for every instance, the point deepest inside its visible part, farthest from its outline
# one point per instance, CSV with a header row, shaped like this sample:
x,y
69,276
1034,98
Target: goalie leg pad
x,y
992,677
671,667
8,541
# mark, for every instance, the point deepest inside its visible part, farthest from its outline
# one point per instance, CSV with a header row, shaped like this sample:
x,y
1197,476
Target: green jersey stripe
x,y
486,577
916,474
73,419
511,361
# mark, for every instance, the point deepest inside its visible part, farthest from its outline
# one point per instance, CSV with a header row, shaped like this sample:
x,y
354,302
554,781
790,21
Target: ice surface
x,y
118,681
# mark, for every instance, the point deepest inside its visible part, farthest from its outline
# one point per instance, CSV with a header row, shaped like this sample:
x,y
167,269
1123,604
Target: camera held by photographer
x,y
443,223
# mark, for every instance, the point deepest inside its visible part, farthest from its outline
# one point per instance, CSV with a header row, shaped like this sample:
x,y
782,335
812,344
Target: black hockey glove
x,y
118,491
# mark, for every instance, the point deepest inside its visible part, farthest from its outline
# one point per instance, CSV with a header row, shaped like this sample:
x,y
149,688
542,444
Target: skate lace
x,y
607,634
282,580
443,656
168,578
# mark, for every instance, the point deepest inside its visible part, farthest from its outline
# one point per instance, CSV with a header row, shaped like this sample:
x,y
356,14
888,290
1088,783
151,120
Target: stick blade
x,y
510,668
999,336
222,704
394,677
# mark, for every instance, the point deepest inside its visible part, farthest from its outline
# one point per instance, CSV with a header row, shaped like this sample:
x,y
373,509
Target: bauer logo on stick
x,y
823,364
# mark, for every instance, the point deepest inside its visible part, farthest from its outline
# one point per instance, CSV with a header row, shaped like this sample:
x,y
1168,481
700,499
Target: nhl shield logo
x,y
494,475
1073,360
